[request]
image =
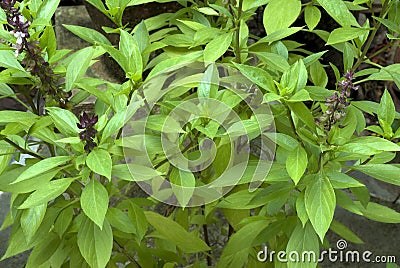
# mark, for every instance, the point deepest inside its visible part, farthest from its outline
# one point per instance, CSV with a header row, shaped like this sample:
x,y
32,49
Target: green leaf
x,y
183,185
338,10
369,146
31,219
283,140
48,192
120,220
301,209
340,35
273,60
42,252
312,16
345,232
349,53
99,161
172,231
175,62
163,123
244,199
118,56
280,15
41,167
130,48
64,220
113,126
70,140
78,66
301,95
302,240
236,252
340,180
88,34
8,60
362,194
94,202
64,120
17,117
138,218
5,159
47,9
309,60
271,193
16,243
134,172
386,112
383,172
217,47
95,244
320,201
294,79
296,163
258,76
25,186
318,74
343,200
208,11
278,35
380,213
5,90
209,83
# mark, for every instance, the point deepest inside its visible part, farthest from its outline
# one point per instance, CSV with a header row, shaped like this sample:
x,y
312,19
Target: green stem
x,y
123,251
237,47
206,239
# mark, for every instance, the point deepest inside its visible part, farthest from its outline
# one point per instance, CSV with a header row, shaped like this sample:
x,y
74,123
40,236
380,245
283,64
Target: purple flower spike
x,y
88,134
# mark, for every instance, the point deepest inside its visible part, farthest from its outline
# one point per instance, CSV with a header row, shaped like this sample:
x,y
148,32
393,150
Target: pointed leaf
x,y
175,233
320,201
99,161
383,172
183,183
95,244
340,35
258,76
280,15
64,120
209,82
94,202
41,167
386,110
296,163
312,16
49,192
303,240
78,66
31,219
87,34
338,10
217,47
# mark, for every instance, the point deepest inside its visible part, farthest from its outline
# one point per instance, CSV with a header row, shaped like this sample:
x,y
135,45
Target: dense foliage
x,y
213,128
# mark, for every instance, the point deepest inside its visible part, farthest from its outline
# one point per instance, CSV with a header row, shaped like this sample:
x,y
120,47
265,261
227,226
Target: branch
x,y
22,150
